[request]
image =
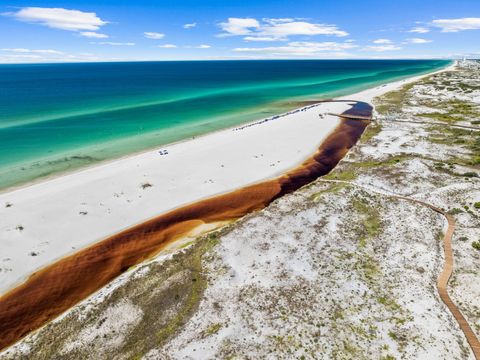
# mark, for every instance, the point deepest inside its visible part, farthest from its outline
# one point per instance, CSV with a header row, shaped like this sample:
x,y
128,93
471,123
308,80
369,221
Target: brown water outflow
x,y
56,288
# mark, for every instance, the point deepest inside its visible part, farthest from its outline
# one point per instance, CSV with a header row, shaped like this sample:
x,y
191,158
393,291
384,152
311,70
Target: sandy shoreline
x,y
91,204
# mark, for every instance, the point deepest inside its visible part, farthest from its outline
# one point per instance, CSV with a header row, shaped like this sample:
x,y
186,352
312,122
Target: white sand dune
x,y
46,221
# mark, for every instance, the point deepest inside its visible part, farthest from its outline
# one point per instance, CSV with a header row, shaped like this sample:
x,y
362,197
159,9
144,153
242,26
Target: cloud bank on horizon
x,y
239,37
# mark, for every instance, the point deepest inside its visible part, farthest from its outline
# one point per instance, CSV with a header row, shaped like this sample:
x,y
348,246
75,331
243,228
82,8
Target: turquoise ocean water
x,y
59,117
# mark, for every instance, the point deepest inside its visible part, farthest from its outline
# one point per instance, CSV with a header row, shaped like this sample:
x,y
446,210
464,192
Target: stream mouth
x,y
57,287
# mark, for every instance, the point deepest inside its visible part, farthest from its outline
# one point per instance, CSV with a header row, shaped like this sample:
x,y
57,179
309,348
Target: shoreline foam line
x,y
54,289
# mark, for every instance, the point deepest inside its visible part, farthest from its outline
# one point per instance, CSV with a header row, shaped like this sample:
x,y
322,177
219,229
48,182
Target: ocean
x,y
60,117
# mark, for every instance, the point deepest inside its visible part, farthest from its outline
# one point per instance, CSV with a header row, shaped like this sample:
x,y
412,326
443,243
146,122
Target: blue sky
x,y
116,30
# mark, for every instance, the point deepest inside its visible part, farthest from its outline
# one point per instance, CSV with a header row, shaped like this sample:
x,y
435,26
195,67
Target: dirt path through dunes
x,y
442,283
54,289
435,123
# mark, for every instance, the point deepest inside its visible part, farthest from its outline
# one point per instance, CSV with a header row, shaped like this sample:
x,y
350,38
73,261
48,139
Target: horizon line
x,y
205,60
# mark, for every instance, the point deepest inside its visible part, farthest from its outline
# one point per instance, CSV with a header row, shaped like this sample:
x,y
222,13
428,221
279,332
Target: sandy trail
x,y
436,123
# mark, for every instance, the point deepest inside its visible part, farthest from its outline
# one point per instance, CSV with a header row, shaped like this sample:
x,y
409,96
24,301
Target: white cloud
x,y
59,18
260,38
91,34
419,30
382,48
277,20
456,25
43,56
302,49
190,26
275,29
417,41
153,35
202,46
166,46
21,50
383,41
17,57
239,26
283,30
324,46
114,43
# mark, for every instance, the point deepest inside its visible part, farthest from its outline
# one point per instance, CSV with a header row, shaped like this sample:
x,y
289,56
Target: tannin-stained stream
x,y
57,287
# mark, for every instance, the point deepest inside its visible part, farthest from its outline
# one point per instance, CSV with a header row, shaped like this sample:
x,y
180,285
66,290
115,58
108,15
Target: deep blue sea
x,y
59,117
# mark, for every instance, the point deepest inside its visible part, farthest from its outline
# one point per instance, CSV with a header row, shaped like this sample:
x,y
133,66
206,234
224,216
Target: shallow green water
x,y
58,117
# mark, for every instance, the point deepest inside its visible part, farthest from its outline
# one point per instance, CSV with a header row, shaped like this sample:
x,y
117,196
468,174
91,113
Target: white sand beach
x,y
51,219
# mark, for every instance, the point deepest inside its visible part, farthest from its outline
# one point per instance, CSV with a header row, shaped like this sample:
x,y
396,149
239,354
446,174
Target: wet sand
x,y
54,289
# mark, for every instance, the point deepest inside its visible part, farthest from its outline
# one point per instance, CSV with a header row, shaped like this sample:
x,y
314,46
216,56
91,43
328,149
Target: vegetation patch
x,y
343,175
453,111
368,267
333,188
212,329
390,161
371,131
455,211
389,303
198,284
370,220
393,101
468,139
